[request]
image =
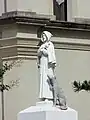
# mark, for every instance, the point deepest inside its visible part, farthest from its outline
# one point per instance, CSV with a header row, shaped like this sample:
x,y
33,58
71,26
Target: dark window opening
x,y
60,9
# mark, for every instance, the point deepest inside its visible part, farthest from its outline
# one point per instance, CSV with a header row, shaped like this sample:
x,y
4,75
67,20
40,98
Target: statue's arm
x,y
38,62
44,51
39,53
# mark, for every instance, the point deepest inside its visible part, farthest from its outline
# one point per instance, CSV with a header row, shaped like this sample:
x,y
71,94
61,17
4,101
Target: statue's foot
x,y
63,107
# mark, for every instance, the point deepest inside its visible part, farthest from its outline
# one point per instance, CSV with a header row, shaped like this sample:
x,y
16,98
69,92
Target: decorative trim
x,y
28,50
20,57
22,17
72,46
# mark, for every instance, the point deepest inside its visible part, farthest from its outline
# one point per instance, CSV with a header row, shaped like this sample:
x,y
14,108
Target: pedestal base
x,y
46,111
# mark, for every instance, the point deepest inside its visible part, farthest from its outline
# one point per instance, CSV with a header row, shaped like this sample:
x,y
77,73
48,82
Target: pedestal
x,y
46,111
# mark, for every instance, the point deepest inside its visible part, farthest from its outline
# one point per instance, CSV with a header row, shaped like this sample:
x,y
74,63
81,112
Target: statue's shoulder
x,y
50,43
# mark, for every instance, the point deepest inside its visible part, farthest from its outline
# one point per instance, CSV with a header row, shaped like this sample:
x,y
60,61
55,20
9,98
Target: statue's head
x,y
45,36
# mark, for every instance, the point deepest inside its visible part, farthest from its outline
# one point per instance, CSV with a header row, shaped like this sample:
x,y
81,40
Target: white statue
x,y
49,88
46,64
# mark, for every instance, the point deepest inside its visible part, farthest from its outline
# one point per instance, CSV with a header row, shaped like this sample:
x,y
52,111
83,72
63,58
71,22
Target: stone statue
x,y
46,63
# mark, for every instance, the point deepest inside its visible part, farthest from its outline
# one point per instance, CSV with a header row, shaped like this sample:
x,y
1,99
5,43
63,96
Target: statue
x,y
49,88
45,62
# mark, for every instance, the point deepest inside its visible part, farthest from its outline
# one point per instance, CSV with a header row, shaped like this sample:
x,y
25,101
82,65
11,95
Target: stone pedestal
x,y
46,111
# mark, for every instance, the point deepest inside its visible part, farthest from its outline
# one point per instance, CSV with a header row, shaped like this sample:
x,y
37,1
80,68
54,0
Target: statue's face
x,y
43,37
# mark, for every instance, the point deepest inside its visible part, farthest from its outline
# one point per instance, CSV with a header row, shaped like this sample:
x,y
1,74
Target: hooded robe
x,y
47,63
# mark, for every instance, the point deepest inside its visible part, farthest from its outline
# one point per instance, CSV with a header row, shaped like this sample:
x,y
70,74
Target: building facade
x,y
21,24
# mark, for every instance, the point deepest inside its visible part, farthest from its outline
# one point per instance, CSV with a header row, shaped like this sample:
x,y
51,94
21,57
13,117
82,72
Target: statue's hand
x,y
50,87
44,52
38,65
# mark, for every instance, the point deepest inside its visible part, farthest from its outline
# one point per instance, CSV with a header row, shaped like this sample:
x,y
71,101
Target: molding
x,y
26,46
20,47
27,14
30,18
28,50
20,57
72,46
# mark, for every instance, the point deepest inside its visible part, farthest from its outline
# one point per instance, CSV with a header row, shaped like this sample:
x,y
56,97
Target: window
x,y
60,9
